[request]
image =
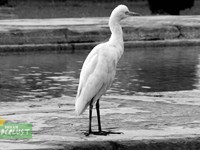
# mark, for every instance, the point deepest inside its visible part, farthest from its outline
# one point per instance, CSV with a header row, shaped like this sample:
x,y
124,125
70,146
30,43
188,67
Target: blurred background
x,y
24,9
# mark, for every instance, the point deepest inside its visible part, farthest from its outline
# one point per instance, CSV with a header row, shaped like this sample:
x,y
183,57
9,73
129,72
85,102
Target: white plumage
x,y
99,68
97,74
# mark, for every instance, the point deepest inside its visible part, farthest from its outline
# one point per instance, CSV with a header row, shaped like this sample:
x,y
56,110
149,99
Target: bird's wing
x,y
93,80
87,68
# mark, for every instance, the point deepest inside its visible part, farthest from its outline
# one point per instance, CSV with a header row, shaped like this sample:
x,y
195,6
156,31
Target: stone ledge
x,y
163,120
89,31
86,47
168,144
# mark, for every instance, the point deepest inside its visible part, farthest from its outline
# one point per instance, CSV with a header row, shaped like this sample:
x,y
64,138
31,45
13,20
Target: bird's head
x,y
121,12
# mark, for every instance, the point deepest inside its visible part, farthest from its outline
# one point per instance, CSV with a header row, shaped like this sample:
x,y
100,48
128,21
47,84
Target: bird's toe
x,y
86,133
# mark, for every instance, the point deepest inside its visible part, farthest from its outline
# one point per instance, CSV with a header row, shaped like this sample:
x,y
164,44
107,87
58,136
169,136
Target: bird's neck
x,y
116,32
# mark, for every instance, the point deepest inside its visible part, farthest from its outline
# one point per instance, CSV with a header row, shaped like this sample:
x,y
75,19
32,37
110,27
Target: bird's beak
x,y
129,13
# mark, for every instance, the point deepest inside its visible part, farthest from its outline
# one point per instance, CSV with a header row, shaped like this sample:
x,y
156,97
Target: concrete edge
x,y
86,47
161,144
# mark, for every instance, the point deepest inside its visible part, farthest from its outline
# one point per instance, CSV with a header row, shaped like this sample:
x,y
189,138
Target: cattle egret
x,y
99,68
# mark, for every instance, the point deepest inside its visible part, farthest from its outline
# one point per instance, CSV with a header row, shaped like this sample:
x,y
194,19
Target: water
x,y
45,76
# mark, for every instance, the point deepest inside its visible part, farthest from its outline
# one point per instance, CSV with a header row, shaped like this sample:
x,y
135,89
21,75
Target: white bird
x,y
99,68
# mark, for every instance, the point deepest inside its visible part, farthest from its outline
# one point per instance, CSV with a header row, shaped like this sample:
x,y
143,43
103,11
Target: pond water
x,y
45,76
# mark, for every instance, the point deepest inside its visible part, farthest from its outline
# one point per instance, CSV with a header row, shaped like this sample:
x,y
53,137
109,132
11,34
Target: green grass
x,y
80,8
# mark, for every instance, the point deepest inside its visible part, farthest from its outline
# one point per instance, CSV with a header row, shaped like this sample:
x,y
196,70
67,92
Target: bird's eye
x,y
126,12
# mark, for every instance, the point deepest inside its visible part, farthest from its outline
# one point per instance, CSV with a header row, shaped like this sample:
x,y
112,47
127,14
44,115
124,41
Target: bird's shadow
x,y
101,133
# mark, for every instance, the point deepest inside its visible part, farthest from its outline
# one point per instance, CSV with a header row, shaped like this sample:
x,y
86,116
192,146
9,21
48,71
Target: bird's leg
x,y
90,120
98,116
100,132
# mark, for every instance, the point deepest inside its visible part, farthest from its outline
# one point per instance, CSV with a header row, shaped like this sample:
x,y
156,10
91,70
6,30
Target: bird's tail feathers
x,y
80,105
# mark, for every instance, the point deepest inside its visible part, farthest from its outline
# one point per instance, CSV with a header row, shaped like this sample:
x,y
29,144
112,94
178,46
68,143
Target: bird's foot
x,y
104,133
87,133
